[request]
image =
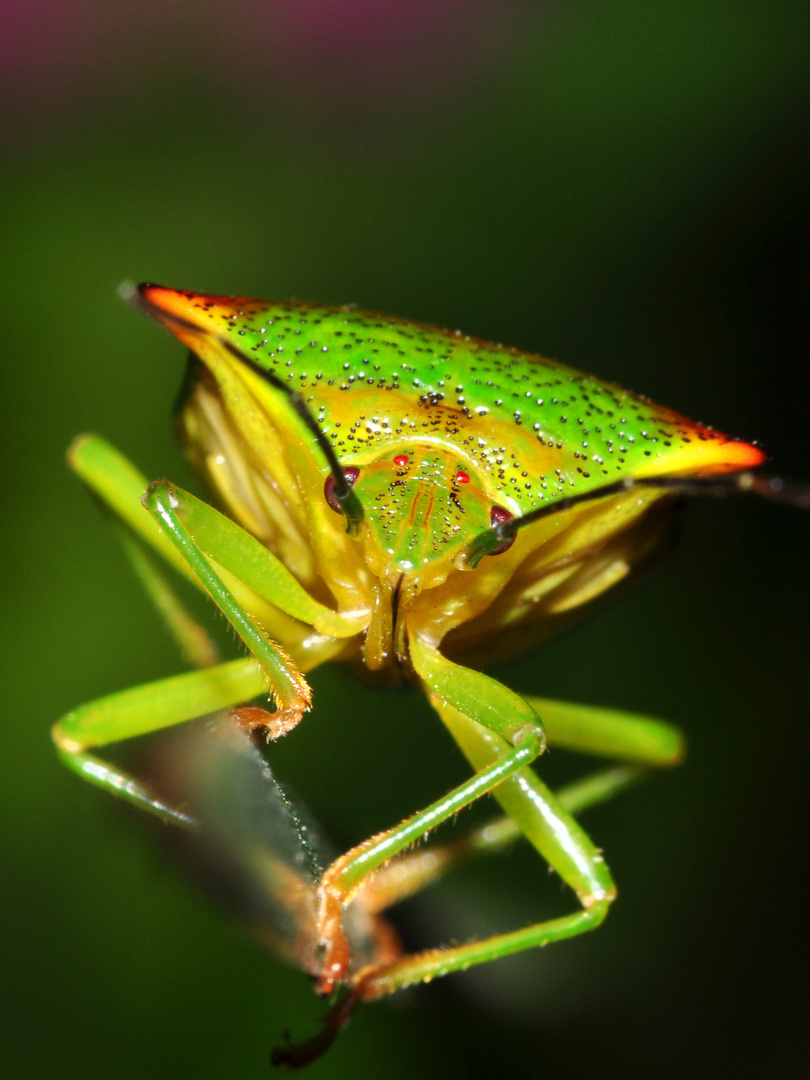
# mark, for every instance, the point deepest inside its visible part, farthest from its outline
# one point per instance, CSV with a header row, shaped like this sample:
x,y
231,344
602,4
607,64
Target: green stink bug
x,y
414,503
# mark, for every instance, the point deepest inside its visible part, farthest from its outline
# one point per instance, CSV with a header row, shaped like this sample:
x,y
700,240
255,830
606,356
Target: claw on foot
x,y
276,724
297,1055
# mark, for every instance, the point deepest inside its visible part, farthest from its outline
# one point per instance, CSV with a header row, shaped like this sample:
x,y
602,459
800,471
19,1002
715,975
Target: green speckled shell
x,y
536,428
415,408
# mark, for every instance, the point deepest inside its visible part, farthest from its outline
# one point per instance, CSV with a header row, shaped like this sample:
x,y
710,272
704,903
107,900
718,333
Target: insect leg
x,y
193,640
286,684
545,822
415,870
120,486
158,705
521,740
117,482
611,733
644,742
148,708
472,707
244,557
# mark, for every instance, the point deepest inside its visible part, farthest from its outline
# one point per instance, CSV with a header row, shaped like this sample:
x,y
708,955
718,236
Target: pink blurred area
x,y
402,47
62,58
68,58
43,40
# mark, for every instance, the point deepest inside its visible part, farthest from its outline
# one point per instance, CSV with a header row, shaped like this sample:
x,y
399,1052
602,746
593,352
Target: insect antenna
x,y
342,492
792,492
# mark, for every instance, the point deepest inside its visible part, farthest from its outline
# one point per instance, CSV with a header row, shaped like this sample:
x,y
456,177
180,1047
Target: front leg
x,y
520,738
185,697
544,821
143,709
643,743
489,722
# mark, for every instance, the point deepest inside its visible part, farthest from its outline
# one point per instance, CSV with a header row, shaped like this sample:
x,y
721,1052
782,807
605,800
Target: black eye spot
x,y
351,472
499,515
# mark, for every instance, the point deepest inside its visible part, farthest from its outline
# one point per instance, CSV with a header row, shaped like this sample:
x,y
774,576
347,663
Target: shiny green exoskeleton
x,y
416,503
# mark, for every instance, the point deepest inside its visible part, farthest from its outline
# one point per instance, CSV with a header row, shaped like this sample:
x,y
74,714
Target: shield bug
x,y
415,503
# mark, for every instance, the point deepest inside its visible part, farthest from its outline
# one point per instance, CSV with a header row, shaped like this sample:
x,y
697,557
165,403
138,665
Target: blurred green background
x,y
623,186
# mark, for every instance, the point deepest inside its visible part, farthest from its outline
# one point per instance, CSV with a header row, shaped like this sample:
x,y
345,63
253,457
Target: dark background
x,y
622,186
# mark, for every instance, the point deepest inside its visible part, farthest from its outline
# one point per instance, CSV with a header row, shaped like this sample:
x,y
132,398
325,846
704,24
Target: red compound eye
x,y
401,460
351,472
498,515
462,477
